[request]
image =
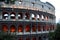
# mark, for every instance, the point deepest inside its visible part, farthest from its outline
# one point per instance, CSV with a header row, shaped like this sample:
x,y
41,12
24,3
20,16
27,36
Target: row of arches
x,y
20,15
27,28
33,38
28,38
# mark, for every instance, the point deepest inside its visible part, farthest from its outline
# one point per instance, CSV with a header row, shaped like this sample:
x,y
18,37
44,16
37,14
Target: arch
x,y
12,15
44,28
46,17
20,16
20,38
47,28
20,28
39,38
27,38
4,28
38,17
12,28
33,16
5,15
33,28
27,16
27,28
33,38
52,27
39,27
42,16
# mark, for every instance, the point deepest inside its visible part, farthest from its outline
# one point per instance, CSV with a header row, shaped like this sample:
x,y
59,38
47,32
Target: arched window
x,y
33,17
20,16
20,28
27,38
42,16
12,15
20,2
39,38
27,28
39,28
44,28
38,17
46,18
52,27
33,38
12,1
5,15
20,38
4,28
33,28
12,28
27,16
47,28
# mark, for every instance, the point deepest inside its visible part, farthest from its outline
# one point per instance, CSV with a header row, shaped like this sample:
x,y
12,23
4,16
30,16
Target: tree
x,y
5,36
51,35
56,34
2,0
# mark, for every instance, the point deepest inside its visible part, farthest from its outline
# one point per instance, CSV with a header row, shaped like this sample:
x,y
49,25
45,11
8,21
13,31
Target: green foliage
x,y
2,0
51,36
57,32
6,36
55,35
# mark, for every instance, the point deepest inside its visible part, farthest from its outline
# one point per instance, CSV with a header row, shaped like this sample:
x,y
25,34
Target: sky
x,y
56,4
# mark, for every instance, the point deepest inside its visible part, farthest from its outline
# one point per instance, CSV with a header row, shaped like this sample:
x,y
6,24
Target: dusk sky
x,y
56,4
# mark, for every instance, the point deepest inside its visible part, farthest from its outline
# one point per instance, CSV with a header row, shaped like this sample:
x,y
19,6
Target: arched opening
x,y
33,38
52,27
33,28
20,28
38,17
33,17
13,15
27,28
46,18
42,17
20,16
47,28
39,27
39,38
5,15
44,28
4,28
20,38
27,16
12,28
27,38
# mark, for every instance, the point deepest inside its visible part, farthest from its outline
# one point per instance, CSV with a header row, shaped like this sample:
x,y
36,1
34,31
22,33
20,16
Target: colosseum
x,y
27,19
